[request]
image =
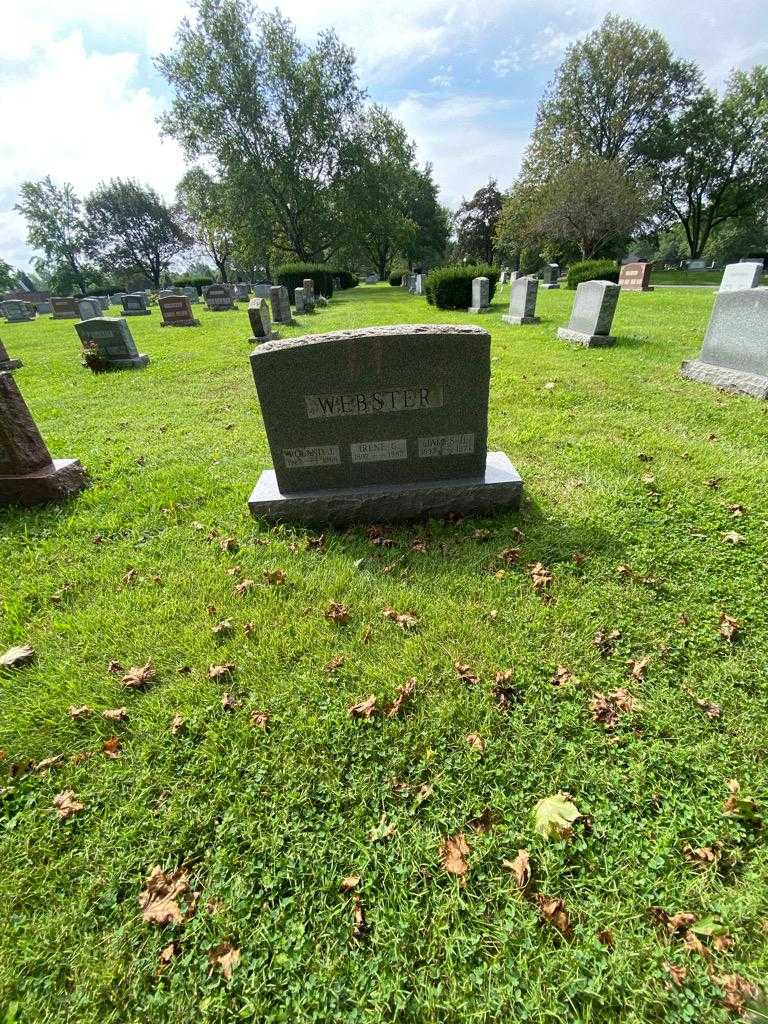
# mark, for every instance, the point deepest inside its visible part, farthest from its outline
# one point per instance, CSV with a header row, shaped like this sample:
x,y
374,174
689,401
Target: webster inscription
x,y
314,455
375,400
446,444
379,451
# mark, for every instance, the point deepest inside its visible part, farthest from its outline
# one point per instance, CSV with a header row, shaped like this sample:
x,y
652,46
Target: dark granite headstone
x,y
592,314
218,298
6,363
281,306
380,423
177,311
191,292
522,302
734,356
550,276
135,304
17,311
242,290
64,308
89,308
110,341
261,290
261,321
28,474
745,274
635,277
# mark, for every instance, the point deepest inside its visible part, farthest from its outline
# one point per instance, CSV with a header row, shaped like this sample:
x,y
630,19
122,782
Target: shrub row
x,y
451,287
292,274
592,270
395,280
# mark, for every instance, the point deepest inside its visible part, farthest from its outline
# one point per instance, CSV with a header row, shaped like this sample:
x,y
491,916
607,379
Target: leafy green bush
x,y
195,282
292,275
395,280
592,270
451,287
346,280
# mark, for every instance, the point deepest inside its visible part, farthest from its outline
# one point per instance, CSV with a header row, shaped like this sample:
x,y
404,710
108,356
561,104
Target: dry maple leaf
x,y
465,674
483,822
223,628
360,924
677,974
67,804
453,855
703,856
729,628
177,724
334,664
228,701
553,912
605,937
48,762
607,708
115,714
738,992
112,747
243,587
159,901
736,510
672,923
138,678
504,692
79,712
605,640
221,671
555,816
336,612
260,719
509,556
476,742
563,676
16,657
739,806
520,868
405,620
541,577
349,883
228,544
732,537
225,957
638,667
84,755
364,708
404,694
274,576
169,952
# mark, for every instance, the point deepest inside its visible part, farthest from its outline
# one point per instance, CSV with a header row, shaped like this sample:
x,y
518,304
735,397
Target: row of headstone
x,y
734,355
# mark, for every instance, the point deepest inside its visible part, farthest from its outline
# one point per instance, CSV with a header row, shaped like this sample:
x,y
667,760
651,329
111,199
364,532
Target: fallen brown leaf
x,y
737,510
729,628
243,587
605,640
169,952
221,671
16,657
737,991
349,883
115,668
67,804
115,714
159,900
563,676
228,701
703,856
336,612
520,868
178,723
672,923
225,957
509,556
360,926
504,692
553,912
79,712
638,667
405,620
274,576
677,974
48,762
223,628
732,537
228,544
334,664
260,719
112,747
138,678
465,674
404,694
476,742
483,822
541,577
364,708
453,855
605,937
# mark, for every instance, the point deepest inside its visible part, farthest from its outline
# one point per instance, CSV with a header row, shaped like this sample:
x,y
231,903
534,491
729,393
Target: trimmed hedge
x,y
592,270
195,282
346,280
451,287
292,275
395,280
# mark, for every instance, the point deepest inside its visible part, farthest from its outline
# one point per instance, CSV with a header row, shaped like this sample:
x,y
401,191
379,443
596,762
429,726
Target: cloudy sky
x,y
79,96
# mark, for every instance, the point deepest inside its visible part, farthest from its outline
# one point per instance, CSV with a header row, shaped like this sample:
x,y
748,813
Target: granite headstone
x,y
177,311
635,277
734,356
64,308
261,321
135,304
89,308
481,290
109,340
737,276
522,302
218,298
592,314
6,363
298,300
550,276
17,311
191,292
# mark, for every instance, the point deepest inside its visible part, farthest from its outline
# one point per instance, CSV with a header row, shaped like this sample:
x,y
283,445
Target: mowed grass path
x,y
270,822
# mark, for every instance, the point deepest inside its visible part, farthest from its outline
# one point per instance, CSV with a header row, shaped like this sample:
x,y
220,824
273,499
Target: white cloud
x,y
506,63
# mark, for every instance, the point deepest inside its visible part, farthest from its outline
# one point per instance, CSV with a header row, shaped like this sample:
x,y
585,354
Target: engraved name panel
x,y
371,401
446,444
379,451
315,455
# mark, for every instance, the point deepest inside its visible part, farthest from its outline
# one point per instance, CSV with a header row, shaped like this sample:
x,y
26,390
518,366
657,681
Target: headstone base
x,y
62,479
479,309
136,312
182,323
500,488
736,381
587,340
518,321
274,336
549,287
65,316
136,363
10,364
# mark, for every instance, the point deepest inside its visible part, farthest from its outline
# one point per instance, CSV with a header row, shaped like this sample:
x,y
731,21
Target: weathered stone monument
x,y
261,321
242,290
299,301
43,306
117,299
177,311
6,363
379,424
481,290
218,298
418,284
308,285
261,290
737,276
135,304
89,308
108,344
550,275
17,311
592,314
191,292
522,302
28,474
635,277
281,306
734,356
64,308
104,301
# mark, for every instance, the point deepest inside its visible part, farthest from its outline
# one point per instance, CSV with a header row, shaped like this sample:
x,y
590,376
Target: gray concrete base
x,y
137,363
182,323
587,340
518,321
136,312
274,336
548,287
60,480
479,309
736,381
64,316
500,488
11,364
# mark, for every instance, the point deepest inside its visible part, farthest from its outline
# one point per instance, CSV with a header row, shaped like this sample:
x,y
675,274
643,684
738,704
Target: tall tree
x,y
133,229
433,221
206,207
608,97
712,158
268,109
476,221
8,276
55,227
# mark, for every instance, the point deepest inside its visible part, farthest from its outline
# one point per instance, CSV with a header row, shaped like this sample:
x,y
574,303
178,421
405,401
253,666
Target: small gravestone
x,y
550,276
515,275
135,304
104,300
89,308
522,302
218,298
281,306
164,293
117,299
261,290
242,290
378,424
28,474
43,306
191,292
592,314
738,276
337,284
64,309
635,277
309,294
6,363
177,311
481,290
418,285
261,321
734,356
17,311
108,344
298,300
372,279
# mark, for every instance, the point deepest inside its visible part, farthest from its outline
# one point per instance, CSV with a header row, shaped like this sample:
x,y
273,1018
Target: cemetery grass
x,y
689,277
634,480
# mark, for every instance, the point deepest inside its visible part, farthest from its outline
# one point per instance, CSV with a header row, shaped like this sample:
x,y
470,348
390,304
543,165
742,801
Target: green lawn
x,y
631,477
689,277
